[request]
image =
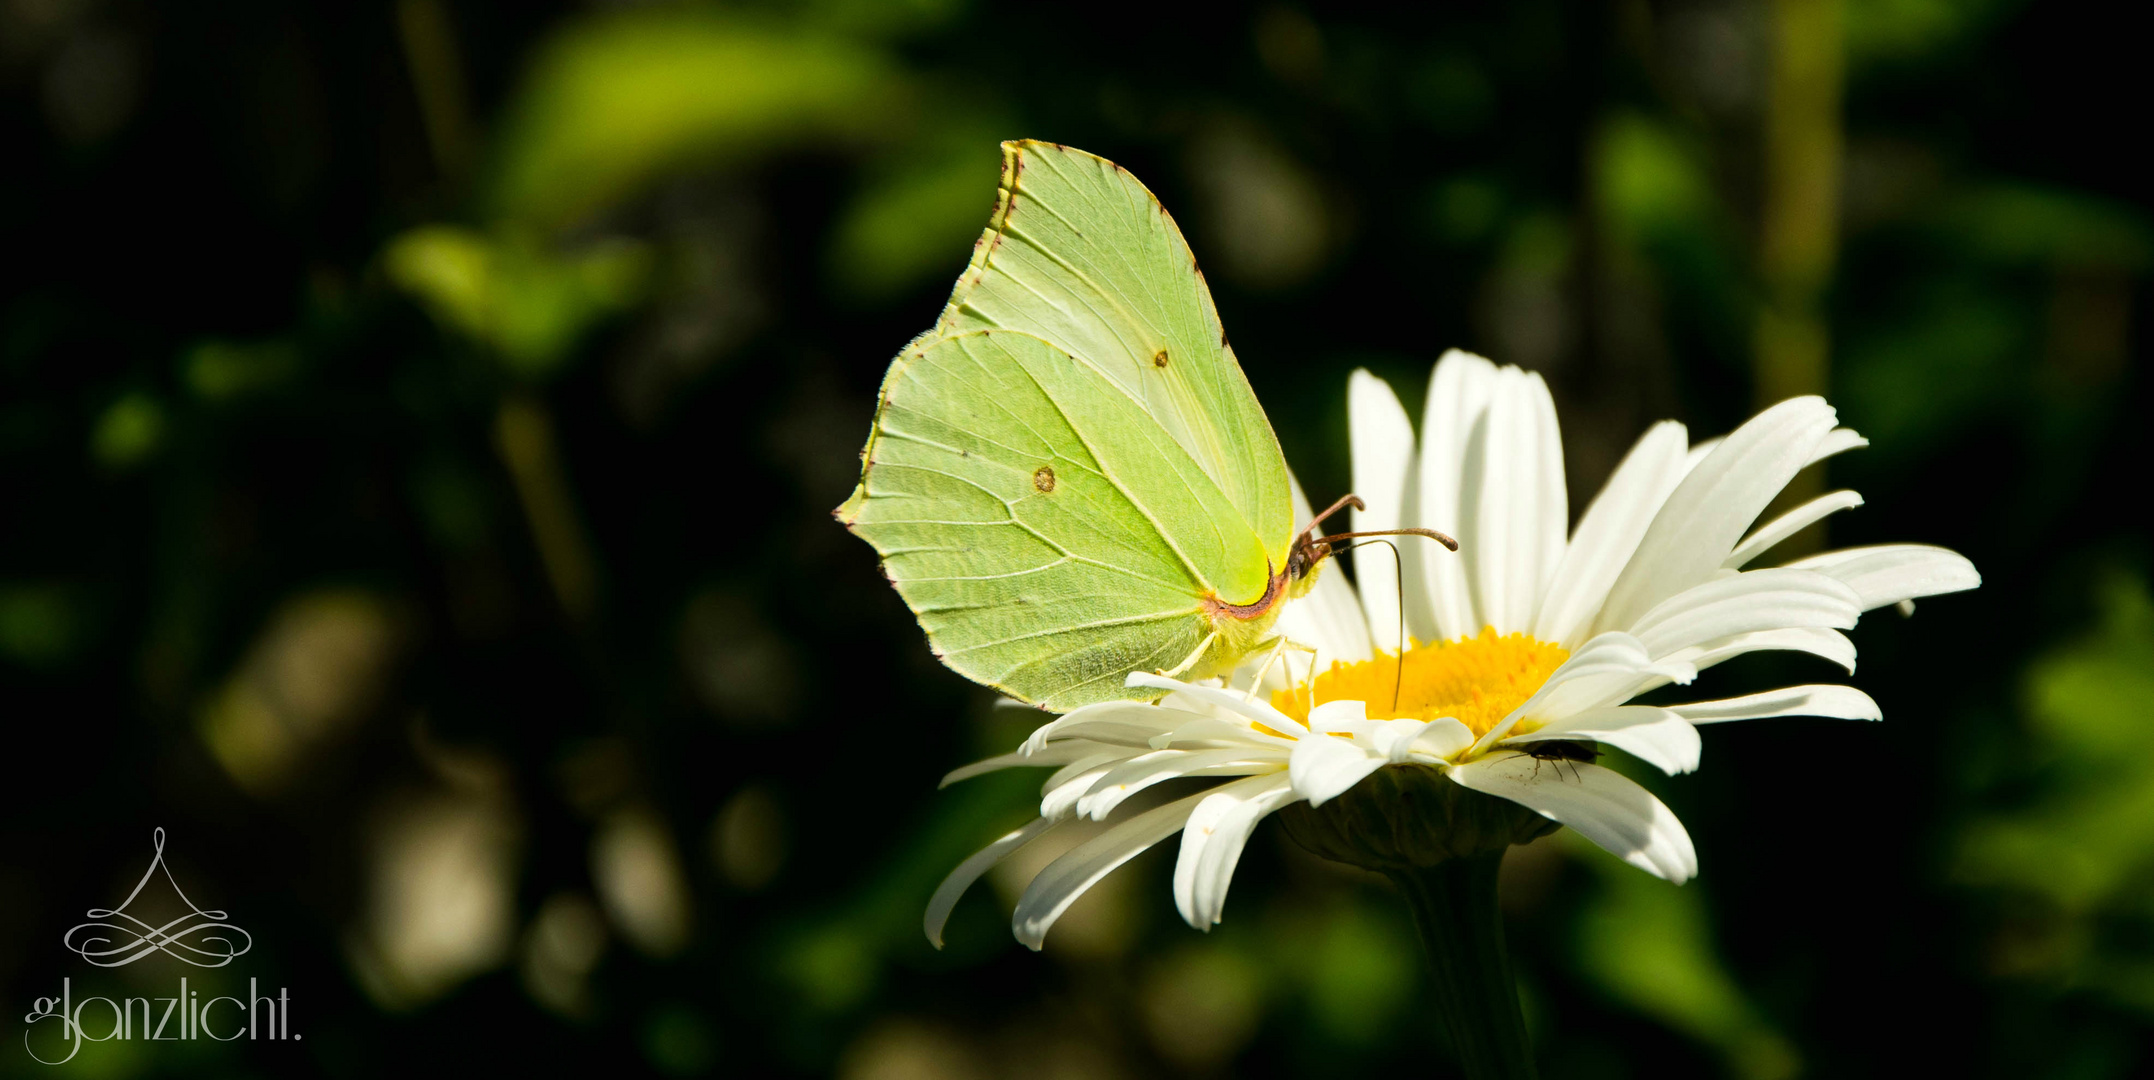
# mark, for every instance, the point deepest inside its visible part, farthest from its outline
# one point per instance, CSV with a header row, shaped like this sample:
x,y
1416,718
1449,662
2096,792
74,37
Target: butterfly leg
x,y
1315,654
1256,682
1191,660
1280,646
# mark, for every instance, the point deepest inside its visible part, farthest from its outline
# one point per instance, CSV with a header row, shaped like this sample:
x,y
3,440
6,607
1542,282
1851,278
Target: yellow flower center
x,y
1479,680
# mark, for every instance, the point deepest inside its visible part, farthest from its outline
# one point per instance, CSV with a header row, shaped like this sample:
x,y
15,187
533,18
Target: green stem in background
x,y
1441,843
1799,222
523,432
1454,905
437,78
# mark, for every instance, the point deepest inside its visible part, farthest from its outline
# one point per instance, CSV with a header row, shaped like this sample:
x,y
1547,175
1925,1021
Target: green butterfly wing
x,y
1079,253
1057,505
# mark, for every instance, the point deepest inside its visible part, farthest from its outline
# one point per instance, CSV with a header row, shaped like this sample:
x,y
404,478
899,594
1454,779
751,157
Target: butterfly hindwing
x,y
1015,497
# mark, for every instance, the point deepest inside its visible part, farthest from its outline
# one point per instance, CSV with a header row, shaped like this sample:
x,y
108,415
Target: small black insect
x,y
1560,750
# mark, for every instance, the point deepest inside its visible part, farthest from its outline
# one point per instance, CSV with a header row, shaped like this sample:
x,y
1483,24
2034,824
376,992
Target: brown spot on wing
x,y
1159,359
1043,478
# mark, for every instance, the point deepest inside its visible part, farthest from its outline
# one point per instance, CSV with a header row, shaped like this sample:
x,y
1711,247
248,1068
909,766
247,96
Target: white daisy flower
x,y
1522,650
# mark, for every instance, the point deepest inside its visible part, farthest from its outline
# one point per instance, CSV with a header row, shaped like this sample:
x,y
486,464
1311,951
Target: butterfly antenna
x,y
1398,676
1344,502
1398,582
1430,533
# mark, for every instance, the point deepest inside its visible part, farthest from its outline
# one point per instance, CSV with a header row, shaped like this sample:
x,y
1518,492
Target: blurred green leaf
x,y
680,1042
2089,842
128,432
2022,223
1464,209
1647,944
1649,181
1652,190
912,219
876,18
615,101
1886,31
1348,960
1451,93
224,370
527,305
833,960
453,502
1950,357
40,623
2074,862
1538,244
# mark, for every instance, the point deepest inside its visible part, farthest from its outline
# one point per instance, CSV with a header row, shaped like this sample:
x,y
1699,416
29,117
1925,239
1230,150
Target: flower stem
x,y
1454,905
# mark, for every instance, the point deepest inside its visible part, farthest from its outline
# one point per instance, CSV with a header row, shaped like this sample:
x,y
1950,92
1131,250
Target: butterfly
x,y
1069,478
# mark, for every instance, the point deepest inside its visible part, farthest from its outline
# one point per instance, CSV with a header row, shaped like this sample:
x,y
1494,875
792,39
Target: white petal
x,y
1136,714
969,871
1699,451
1209,731
1254,708
1095,757
1111,732
1713,506
1395,739
1323,767
1511,502
1658,737
1058,754
1838,702
1746,602
1382,441
1442,739
1816,640
1347,715
1609,533
1136,774
1065,879
1458,394
1552,524
1788,524
1600,803
1609,670
1837,441
1212,844
1328,616
1890,573
1063,790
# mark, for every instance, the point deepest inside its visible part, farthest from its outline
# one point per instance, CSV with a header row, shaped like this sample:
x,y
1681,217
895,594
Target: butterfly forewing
x,y
1080,254
1069,479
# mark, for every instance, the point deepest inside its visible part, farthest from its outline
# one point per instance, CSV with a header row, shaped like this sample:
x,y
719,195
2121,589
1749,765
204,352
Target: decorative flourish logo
x,y
199,937
60,1024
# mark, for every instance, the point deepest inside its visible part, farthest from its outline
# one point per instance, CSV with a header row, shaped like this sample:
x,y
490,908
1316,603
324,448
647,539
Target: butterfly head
x,y
1310,550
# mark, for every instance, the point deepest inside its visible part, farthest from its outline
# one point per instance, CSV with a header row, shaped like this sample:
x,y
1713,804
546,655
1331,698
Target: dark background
x,y
420,422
